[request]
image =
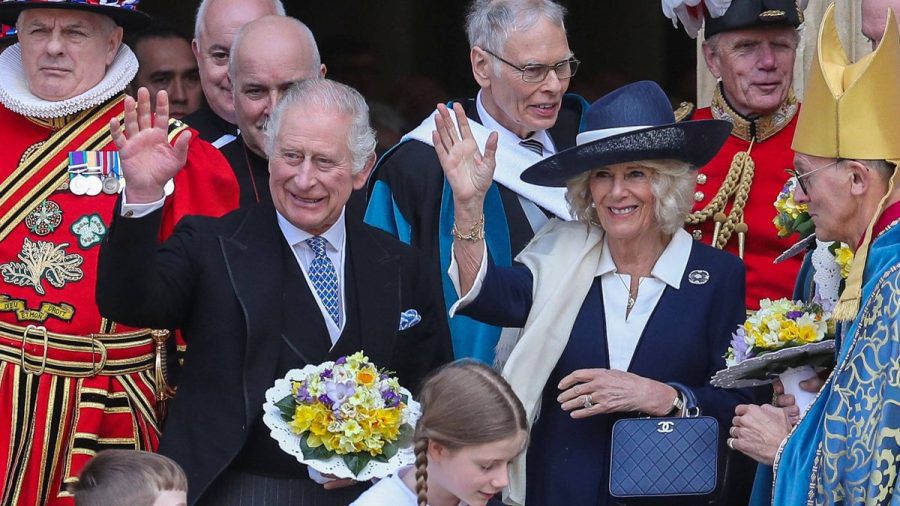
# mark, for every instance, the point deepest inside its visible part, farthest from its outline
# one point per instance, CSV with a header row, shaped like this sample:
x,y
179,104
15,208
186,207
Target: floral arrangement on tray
x,y
784,339
347,418
777,325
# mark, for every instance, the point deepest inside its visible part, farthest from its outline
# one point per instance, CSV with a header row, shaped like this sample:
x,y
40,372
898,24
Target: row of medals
x,y
91,185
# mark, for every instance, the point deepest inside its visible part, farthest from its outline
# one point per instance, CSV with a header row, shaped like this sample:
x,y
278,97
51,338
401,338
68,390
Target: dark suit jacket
x,y
220,282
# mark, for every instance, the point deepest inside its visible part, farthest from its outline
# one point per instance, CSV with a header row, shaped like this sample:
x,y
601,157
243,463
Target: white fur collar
x,y
14,93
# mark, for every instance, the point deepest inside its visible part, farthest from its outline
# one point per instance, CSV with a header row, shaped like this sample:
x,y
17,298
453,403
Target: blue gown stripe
x,y
382,212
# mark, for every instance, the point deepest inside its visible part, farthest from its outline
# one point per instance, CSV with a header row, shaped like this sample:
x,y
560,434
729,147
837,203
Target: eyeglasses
x,y
799,177
537,72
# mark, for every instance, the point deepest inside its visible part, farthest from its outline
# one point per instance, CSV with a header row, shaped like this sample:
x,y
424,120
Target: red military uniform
x,y
71,382
771,154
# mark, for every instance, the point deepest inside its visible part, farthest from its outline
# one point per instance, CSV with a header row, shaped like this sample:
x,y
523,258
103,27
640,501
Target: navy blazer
x,y
684,341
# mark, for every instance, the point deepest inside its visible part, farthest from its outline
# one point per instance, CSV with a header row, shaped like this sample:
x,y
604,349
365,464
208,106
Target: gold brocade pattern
x,y
860,445
760,128
53,123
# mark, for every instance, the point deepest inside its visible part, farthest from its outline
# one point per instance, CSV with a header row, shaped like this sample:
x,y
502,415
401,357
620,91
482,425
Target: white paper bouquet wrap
x,y
345,418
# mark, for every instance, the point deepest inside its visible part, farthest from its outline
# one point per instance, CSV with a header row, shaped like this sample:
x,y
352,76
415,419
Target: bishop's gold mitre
x,y
851,110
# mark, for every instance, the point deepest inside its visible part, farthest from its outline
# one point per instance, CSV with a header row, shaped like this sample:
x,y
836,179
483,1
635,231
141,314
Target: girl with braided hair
x,y
472,427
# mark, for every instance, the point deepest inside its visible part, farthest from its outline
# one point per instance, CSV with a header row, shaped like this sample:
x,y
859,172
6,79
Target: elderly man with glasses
x,y
522,62
845,448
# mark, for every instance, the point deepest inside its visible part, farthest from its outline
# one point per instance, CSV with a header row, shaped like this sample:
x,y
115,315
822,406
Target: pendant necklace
x,y
631,299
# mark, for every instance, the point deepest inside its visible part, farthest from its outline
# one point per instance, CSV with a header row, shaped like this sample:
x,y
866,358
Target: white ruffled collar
x,y
14,93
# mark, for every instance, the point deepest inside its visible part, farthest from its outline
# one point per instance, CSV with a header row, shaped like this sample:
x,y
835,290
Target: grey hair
x,y
672,184
316,59
338,99
204,4
490,22
883,167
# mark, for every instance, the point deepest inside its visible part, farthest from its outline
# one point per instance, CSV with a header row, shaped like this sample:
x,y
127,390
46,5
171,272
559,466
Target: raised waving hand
x,y
148,160
468,171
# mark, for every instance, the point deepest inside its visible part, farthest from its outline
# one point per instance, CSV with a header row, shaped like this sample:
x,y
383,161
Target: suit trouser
x,y
238,488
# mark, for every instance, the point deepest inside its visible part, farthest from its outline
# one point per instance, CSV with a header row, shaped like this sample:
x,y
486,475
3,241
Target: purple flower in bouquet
x,y
391,398
339,392
326,374
303,396
739,345
340,361
324,399
793,315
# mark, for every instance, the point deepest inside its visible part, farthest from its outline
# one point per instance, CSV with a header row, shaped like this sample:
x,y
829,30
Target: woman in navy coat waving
x,y
616,304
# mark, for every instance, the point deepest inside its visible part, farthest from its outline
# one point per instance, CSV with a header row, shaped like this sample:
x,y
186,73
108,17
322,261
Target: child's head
x,y
472,426
131,477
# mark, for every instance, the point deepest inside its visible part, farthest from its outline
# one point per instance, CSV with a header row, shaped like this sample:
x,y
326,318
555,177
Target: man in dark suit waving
x,y
266,289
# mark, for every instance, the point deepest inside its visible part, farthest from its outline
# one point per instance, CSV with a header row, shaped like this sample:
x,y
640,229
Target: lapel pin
x,y
698,277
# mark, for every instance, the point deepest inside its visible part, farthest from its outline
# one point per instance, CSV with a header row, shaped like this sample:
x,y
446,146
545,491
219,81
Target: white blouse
x,y
623,332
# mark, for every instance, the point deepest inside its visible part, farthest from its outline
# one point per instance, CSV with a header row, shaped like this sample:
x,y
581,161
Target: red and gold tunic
x,y
71,382
771,153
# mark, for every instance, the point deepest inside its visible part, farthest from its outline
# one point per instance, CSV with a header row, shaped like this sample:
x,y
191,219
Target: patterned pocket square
x,y
409,318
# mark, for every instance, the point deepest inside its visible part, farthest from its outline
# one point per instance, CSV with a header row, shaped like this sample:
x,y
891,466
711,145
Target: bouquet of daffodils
x,y
792,218
778,325
784,339
339,417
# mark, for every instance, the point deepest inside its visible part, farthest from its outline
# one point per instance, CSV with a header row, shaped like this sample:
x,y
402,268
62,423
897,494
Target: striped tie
x,y
534,145
324,278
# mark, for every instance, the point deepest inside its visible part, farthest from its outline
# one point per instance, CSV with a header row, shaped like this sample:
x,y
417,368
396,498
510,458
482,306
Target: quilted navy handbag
x,y
665,456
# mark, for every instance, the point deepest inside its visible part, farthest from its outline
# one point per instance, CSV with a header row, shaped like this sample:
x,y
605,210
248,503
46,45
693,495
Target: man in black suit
x,y
247,290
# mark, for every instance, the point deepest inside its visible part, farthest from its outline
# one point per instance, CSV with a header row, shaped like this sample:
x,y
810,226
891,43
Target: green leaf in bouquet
x,y
404,440
287,406
357,461
805,228
313,452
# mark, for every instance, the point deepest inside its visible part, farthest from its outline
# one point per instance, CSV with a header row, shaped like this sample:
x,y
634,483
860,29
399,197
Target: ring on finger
x,y
732,431
588,402
730,443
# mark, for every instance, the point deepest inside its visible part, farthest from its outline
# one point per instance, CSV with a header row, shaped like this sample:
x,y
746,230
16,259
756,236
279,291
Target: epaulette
x,y
685,111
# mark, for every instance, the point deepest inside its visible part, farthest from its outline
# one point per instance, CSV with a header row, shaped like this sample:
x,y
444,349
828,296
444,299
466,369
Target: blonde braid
x,y
421,450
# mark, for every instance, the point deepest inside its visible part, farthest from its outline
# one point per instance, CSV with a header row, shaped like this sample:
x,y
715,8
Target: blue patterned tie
x,y
324,278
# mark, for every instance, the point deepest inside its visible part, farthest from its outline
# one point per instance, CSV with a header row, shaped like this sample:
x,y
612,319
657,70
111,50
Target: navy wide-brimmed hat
x,y
123,12
630,124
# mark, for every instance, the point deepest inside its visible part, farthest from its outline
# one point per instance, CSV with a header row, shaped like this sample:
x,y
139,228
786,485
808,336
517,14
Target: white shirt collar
x,y
490,123
15,95
670,266
295,235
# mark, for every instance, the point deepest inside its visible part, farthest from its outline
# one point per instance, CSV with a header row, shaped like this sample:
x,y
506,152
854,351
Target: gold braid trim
x,y
737,183
736,215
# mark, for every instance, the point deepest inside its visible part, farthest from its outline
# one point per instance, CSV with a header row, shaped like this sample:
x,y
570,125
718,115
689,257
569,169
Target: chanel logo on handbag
x,y
650,458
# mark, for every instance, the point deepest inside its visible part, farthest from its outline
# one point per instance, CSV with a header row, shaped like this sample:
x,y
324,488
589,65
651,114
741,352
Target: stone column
x,y
847,14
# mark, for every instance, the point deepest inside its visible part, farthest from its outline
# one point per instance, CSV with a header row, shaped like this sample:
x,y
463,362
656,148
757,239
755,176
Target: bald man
x,y
217,24
259,78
